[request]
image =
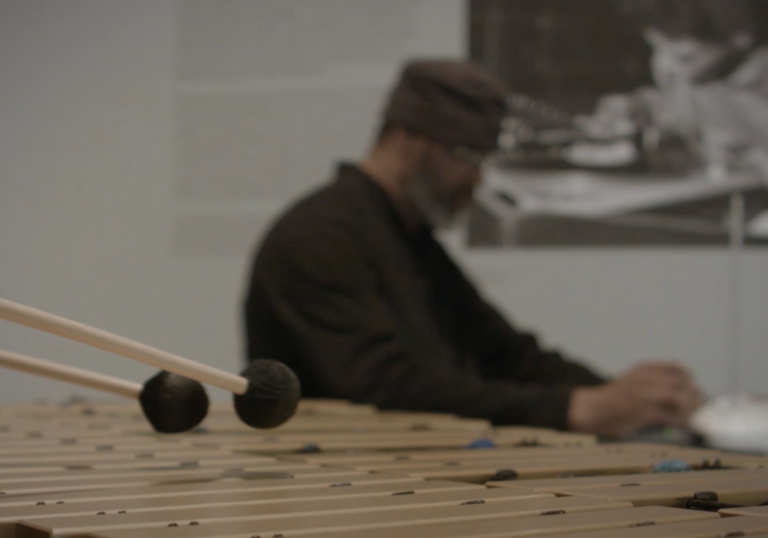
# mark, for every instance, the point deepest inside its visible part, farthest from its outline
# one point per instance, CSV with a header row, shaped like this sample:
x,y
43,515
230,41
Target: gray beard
x,y
431,209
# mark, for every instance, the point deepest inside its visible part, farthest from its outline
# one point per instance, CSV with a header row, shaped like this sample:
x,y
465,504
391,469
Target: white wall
x,y
93,224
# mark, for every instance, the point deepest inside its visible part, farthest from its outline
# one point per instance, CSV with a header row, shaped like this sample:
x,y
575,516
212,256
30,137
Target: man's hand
x,y
651,394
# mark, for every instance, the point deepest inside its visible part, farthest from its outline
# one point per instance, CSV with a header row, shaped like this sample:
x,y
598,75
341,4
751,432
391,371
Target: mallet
x,y
265,395
171,403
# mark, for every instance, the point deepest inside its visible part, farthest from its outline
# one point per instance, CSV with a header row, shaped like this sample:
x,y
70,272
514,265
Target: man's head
x,y
441,118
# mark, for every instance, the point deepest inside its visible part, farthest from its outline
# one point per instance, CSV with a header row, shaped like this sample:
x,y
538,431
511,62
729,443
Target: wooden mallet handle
x,y
70,374
79,332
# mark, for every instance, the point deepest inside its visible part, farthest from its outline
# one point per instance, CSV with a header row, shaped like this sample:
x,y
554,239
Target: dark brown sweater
x,y
363,310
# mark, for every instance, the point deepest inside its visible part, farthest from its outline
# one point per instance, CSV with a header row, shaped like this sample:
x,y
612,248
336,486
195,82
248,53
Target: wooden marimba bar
x,y
341,470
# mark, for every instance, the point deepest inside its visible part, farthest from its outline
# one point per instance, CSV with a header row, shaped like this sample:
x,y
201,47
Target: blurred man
x,y
353,292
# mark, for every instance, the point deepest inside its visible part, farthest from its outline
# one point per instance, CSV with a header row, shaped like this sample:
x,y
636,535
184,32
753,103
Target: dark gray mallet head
x,y
273,394
173,403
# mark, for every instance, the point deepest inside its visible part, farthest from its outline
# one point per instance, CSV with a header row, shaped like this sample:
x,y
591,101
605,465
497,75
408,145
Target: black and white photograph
x,y
630,122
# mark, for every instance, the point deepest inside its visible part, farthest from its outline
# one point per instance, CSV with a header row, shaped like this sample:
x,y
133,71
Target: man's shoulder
x,y
326,219
316,212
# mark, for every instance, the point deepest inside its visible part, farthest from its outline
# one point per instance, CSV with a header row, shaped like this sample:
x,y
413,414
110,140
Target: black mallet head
x,y
273,394
173,403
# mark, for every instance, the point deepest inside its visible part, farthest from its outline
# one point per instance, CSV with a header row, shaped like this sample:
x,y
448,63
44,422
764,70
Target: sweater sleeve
x,y
329,299
506,352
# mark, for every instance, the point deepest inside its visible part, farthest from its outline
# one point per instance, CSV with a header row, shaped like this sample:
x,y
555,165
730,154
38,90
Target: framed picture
x,y
630,122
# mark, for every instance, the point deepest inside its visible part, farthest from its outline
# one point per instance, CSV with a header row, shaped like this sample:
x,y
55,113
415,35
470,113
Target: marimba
x,y
341,470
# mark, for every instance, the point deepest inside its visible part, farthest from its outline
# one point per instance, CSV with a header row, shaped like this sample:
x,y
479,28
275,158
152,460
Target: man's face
x,y
442,183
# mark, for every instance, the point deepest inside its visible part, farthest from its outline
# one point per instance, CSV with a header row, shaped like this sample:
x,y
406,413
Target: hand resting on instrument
x,y
651,394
